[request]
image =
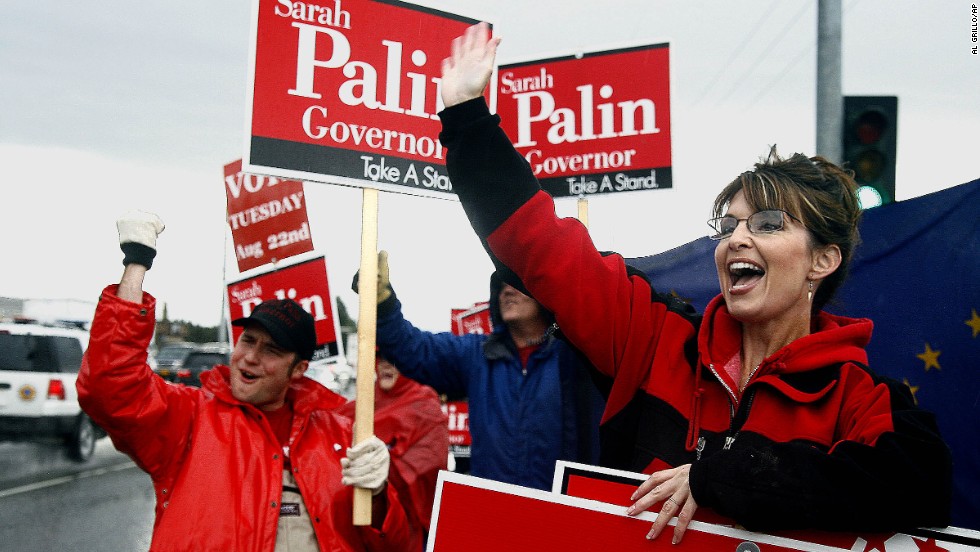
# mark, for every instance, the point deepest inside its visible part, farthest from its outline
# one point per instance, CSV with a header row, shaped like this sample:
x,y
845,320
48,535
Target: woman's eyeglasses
x,y
762,222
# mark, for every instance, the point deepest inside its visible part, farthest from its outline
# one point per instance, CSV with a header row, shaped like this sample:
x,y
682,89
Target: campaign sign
x,y
473,320
612,486
615,487
593,123
306,283
347,92
267,217
478,515
458,414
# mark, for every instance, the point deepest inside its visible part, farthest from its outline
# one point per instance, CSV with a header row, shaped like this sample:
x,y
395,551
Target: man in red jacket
x,y
409,418
254,460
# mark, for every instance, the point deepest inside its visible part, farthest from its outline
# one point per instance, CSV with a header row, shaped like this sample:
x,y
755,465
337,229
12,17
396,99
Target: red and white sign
x,y
612,486
306,283
458,413
267,217
615,487
472,320
347,92
590,124
478,515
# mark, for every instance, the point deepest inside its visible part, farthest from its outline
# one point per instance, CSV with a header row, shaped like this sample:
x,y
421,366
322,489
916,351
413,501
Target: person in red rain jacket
x,y
409,418
763,408
254,460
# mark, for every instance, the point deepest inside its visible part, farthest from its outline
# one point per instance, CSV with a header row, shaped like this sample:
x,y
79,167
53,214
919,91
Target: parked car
x,y
202,358
186,364
170,358
38,401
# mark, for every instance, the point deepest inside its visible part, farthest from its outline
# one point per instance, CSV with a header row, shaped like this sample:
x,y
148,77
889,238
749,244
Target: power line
x,y
738,49
772,43
769,87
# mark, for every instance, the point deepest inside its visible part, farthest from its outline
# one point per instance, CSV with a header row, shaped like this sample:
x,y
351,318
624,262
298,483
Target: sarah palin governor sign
x,y
348,91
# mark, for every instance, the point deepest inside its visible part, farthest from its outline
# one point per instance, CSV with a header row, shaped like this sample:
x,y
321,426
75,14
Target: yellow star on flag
x,y
679,296
930,357
974,322
913,388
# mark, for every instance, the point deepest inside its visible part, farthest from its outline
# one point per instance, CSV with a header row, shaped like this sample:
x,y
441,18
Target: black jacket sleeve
x,y
490,186
488,175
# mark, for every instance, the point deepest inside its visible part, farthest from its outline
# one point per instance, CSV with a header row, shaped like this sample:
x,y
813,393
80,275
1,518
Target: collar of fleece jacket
x,y
833,340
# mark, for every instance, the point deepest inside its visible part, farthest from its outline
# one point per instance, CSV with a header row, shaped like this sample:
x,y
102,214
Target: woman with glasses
x,y
763,408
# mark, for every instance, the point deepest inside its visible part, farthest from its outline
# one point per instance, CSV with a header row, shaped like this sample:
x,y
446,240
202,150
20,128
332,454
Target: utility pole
x,y
830,102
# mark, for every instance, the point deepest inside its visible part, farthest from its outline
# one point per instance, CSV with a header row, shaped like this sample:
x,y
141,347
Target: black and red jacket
x,y
815,440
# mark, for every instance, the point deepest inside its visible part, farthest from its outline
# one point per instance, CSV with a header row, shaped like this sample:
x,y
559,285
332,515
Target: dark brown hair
x,y
814,190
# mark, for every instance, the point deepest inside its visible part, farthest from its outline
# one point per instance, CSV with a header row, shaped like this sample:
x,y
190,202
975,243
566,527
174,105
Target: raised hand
x,y
466,72
138,231
384,279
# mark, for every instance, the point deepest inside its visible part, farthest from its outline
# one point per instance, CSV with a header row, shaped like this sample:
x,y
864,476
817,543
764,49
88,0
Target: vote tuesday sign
x,y
267,217
348,91
593,123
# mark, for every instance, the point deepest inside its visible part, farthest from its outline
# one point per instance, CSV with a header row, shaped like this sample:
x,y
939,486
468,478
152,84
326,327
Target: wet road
x,y
48,502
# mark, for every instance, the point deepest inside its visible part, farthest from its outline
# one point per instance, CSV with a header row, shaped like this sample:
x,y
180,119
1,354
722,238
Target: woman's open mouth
x,y
744,275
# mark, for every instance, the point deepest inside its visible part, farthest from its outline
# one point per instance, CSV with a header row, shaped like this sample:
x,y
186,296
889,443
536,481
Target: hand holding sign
x,y
366,465
466,73
384,290
384,282
671,486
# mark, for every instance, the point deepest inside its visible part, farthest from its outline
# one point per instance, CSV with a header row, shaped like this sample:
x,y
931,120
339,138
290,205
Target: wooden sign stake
x,y
583,211
366,327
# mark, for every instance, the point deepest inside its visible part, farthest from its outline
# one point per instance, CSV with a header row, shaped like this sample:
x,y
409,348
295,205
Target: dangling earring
x,y
809,293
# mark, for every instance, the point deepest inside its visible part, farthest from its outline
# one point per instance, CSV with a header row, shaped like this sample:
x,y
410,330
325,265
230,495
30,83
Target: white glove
x,y
138,231
366,465
139,227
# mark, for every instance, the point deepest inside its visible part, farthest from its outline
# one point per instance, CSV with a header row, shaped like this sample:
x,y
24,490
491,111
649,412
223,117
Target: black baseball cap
x,y
289,325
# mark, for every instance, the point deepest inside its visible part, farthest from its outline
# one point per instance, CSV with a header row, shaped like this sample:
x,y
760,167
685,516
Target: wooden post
x,y
367,320
583,211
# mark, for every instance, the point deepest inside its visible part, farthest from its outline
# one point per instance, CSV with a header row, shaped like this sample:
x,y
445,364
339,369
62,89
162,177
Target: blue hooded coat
x,y
522,418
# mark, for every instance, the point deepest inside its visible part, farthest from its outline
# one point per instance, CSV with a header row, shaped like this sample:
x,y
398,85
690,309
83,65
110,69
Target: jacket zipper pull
x,y
700,449
739,418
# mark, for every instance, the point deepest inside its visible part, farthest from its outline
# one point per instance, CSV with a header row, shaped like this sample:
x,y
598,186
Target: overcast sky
x,y
116,105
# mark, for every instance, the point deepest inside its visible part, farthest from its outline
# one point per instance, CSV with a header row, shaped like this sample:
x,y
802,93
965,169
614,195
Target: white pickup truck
x,y
38,402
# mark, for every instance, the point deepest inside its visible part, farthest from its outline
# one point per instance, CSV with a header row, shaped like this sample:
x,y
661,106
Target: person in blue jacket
x,y
531,398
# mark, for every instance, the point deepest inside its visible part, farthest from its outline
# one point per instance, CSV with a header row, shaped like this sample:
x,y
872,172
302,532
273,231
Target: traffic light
x,y
870,130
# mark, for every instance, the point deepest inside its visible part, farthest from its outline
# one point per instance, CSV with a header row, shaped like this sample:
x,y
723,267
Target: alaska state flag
x,y
916,275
